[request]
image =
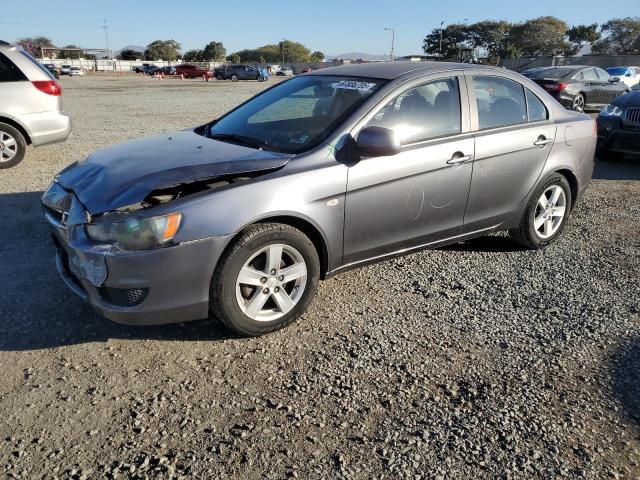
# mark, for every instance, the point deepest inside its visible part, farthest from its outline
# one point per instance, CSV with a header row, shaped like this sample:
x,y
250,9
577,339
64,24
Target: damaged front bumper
x,y
164,285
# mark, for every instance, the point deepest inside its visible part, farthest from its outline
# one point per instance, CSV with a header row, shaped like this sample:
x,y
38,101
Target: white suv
x,y
30,106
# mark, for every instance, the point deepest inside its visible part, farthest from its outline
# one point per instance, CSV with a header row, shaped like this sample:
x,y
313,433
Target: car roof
x,y
391,70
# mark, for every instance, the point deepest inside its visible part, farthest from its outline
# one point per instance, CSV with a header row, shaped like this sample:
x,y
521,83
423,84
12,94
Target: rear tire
x,y
578,103
545,217
13,146
254,289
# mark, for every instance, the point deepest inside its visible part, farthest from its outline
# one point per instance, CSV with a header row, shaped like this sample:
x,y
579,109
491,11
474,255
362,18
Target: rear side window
x,y
500,102
536,111
430,110
9,72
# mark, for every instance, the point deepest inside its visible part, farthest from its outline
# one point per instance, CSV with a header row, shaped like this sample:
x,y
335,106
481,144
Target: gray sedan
x,y
240,218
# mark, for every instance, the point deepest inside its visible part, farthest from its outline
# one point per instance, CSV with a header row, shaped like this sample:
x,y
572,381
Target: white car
x,y
76,72
64,69
628,75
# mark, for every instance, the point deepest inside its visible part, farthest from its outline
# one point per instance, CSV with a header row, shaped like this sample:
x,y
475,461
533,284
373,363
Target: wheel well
x,y
573,183
18,127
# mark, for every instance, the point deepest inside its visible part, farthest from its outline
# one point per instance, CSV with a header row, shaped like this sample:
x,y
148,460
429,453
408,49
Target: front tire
x,y
546,214
265,280
234,78
219,77
13,146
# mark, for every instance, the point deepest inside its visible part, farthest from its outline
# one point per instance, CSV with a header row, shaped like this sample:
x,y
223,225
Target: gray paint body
x,y
362,209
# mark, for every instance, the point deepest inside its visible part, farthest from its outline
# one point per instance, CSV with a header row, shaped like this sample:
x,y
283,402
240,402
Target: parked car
x,y
307,69
30,106
242,216
192,71
619,127
284,72
167,70
579,87
240,72
149,69
52,70
64,69
141,68
76,72
628,75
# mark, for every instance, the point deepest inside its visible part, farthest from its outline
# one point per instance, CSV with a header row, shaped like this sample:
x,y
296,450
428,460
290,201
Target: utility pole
x,y
441,24
106,37
393,41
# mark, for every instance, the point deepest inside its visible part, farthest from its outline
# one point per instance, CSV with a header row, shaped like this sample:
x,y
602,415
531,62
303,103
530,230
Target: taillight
x,y
50,87
558,87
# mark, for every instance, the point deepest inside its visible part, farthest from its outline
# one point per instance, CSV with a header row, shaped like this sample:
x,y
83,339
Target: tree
x,y
130,55
162,50
70,54
455,39
285,51
580,35
620,36
234,58
539,37
192,56
33,45
317,56
490,36
214,52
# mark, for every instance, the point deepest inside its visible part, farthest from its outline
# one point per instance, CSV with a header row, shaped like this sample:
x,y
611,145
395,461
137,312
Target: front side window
x,y
602,75
500,102
428,111
589,75
536,111
296,115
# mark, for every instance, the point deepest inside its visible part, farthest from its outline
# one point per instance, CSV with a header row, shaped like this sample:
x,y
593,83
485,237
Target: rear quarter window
x,y
9,72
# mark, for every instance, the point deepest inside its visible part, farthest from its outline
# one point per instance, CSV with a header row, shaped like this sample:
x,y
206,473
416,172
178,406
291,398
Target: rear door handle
x,y
542,142
459,160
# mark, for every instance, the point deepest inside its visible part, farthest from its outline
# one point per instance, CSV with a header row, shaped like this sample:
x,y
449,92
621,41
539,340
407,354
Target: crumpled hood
x,y
125,174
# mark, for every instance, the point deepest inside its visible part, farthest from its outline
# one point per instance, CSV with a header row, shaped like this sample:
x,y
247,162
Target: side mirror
x,y
377,142
614,79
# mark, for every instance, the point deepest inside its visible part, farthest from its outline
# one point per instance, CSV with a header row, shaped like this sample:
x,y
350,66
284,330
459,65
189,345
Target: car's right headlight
x,y
611,111
136,233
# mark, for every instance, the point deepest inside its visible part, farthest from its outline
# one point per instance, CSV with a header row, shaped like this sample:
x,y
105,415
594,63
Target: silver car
x,y
30,106
241,217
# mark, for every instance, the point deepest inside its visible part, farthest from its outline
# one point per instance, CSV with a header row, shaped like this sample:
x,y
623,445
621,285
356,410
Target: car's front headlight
x,y
611,111
136,233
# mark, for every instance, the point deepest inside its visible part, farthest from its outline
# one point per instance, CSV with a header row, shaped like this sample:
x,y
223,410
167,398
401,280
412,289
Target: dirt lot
x,y
479,360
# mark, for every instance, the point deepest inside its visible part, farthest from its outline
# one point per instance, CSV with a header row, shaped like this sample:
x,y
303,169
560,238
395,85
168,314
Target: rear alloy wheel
x,y
12,146
578,103
546,214
266,280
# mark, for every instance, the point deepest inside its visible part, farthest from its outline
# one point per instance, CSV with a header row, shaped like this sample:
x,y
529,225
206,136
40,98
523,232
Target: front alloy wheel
x,y
265,280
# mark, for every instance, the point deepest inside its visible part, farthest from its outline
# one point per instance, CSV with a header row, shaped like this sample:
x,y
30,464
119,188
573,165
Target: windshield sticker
x,y
300,140
354,85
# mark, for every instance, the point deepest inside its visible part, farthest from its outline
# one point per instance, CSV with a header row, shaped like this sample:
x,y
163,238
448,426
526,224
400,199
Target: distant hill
x,y
358,55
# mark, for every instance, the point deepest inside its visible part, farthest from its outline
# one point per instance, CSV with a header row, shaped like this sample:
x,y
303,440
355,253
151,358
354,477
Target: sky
x,y
331,26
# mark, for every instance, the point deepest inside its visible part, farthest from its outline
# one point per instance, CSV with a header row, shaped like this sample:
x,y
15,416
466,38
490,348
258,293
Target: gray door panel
x,y
404,200
506,167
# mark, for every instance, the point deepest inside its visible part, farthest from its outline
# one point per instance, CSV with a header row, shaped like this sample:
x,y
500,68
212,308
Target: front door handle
x,y
541,142
457,160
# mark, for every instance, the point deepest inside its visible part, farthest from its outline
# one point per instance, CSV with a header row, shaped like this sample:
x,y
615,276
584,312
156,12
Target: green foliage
x,y
540,36
130,55
455,39
234,58
34,44
214,52
285,51
491,36
620,36
193,56
580,35
70,54
163,50
317,56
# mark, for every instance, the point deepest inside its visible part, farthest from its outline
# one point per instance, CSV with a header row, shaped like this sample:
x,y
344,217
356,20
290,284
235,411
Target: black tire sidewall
x,y
534,238
573,106
22,145
227,275
234,78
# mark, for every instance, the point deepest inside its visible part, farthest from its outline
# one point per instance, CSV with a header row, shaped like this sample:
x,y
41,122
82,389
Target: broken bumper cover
x,y
165,285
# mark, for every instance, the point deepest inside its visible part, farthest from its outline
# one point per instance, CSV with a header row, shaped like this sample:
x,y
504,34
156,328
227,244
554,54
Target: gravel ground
x,y
479,360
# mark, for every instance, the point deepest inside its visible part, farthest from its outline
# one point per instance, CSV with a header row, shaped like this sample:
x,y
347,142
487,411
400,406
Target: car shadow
x,y
627,168
38,311
486,243
626,379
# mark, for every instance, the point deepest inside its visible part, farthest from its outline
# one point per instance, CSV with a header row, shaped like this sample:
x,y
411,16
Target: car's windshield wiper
x,y
241,139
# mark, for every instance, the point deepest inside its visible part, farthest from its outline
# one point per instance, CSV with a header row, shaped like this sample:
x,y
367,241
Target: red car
x,y
192,71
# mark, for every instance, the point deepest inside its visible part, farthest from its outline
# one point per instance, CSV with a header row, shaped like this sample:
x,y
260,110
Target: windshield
x,y
296,115
618,71
553,72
